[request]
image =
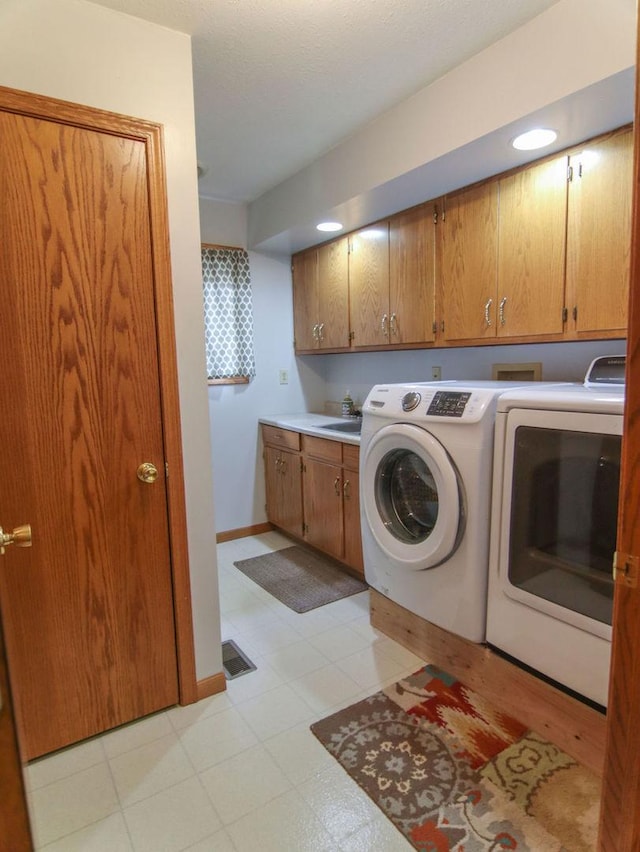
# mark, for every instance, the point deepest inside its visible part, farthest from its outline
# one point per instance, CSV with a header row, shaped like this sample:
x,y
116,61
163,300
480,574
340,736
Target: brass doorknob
x,y
21,537
147,472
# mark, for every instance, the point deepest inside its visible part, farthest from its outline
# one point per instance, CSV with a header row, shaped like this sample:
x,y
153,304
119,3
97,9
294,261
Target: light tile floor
x,y
241,770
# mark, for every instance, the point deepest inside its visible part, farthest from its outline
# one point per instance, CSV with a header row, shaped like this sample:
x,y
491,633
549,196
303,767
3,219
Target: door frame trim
x,y
151,135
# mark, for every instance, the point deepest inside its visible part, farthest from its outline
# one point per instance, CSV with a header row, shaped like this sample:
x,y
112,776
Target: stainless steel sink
x,y
354,426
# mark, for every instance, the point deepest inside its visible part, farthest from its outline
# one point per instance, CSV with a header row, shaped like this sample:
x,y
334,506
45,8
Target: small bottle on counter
x,y
347,405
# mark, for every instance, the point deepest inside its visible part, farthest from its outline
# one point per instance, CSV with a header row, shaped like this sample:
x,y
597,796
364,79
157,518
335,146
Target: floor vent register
x,y
234,661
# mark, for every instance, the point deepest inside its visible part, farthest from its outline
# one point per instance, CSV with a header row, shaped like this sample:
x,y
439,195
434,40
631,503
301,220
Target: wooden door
x,y
412,276
468,264
369,285
333,295
531,250
323,506
598,235
304,268
15,831
88,610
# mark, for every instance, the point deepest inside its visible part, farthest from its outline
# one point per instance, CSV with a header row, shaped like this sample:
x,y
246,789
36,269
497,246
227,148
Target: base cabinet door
x,y
324,526
351,508
284,489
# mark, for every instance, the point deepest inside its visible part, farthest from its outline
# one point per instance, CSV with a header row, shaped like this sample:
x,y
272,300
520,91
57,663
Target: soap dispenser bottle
x,y
347,405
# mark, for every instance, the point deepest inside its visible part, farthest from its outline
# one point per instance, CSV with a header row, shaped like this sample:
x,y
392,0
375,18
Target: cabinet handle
x,y
315,332
321,331
336,486
503,302
283,466
383,325
487,316
278,462
394,326
346,489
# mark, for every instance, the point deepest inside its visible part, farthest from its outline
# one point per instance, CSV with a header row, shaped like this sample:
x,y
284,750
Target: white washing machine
x,y
426,454
555,506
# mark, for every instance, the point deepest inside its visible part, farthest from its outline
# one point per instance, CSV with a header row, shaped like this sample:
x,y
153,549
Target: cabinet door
x,y
333,295
351,508
468,264
323,507
283,482
599,235
411,276
304,268
369,285
531,250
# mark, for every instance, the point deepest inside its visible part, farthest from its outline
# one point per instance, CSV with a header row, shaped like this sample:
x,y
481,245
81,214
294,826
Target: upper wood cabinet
x,y
531,250
412,276
321,297
304,270
541,253
391,280
369,285
599,236
468,264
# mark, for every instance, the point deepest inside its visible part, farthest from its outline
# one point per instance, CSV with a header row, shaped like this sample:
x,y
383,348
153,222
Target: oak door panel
x,y
531,250
323,507
599,235
305,300
283,480
333,295
369,285
468,264
89,608
412,276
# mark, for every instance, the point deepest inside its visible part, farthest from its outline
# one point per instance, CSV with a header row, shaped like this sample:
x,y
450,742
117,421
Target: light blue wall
x,y
359,372
234,409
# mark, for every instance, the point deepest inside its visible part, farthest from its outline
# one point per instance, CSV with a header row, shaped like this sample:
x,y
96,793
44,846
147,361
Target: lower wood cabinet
x,y
312,490
283,479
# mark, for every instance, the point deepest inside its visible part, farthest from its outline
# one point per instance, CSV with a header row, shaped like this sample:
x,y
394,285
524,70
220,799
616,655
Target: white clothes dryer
x,y
426,454
554,519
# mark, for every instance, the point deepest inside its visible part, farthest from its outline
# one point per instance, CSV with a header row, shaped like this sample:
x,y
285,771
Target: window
x,y
228,315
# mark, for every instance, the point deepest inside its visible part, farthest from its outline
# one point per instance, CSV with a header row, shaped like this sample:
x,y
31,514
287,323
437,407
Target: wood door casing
x,y
598,235
468,264
89,609
531,250
412,276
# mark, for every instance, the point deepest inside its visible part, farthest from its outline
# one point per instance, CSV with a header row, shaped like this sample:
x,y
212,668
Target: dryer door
x,y
411,496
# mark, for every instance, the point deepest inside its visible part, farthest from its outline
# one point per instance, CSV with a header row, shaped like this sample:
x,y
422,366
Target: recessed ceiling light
x,y
532,139
329,226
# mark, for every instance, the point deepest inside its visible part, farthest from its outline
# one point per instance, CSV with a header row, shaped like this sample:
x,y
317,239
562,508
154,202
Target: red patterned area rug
x,y
454,773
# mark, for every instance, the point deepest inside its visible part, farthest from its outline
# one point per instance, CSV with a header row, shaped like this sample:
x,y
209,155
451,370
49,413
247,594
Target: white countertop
x,y
311,424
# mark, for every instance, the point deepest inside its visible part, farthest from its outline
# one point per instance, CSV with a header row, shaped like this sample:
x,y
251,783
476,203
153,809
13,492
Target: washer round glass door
x,y
411,496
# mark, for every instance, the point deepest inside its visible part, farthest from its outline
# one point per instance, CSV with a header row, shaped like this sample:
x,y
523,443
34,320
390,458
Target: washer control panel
x,y
459,402
448,404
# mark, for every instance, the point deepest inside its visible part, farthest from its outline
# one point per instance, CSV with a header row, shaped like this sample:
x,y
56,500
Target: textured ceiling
x,y
279,82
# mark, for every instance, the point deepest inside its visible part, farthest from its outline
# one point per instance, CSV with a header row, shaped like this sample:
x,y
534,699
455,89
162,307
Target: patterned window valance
x,y
228,312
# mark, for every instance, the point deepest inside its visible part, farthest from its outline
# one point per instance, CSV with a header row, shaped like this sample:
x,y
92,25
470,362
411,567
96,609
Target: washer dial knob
x,y
411,400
